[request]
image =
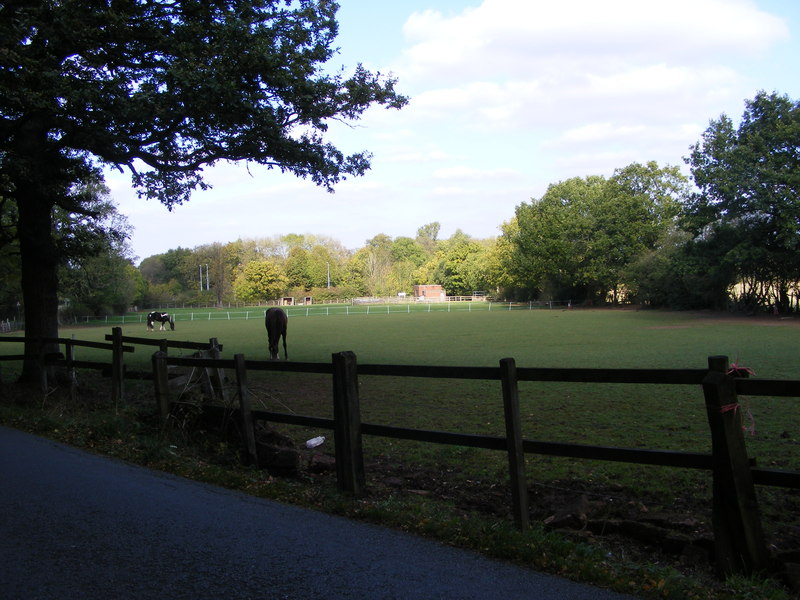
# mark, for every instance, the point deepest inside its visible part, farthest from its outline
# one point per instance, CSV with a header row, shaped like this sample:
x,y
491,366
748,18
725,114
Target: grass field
x,y
541,338
638,416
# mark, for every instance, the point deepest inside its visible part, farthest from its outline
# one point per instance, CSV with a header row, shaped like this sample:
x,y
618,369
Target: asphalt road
x,y
78,526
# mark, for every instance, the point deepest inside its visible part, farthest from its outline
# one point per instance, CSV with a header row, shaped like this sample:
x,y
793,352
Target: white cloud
x,y
599,132
507,96
509,59
464,173
635,77
533,32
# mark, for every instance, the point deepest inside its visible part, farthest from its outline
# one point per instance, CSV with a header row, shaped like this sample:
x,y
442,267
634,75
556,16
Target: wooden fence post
x,y
117,366
248,430
216,375
347,424
739,545
516,455
69,351
43,368
160,380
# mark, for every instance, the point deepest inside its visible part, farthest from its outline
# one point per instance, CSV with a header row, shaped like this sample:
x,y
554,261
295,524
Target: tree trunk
x,y
783,296
39,263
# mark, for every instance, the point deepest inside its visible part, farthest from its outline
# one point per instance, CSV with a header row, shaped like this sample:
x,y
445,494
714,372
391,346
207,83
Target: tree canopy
x,y
746,214
162,89
259,281
579,238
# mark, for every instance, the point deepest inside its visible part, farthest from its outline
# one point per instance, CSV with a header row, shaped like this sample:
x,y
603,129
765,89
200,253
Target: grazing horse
x,y
162,318
276,321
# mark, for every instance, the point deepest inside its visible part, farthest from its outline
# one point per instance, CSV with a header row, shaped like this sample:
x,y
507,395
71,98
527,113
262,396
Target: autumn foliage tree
x,y
259,281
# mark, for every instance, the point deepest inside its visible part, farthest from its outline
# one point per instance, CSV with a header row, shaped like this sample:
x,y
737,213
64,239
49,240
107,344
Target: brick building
x,y
430,293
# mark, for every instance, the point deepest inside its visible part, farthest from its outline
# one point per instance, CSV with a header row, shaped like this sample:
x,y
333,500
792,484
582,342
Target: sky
x,y
506,98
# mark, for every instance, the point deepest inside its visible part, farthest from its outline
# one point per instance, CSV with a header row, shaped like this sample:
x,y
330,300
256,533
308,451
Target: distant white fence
x,y
328,310
8,326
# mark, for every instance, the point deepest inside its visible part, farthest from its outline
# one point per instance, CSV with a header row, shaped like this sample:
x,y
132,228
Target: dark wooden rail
x,y
66,359
119,346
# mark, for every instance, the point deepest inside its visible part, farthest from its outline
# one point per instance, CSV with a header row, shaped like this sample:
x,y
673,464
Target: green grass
x,y
661,417
540,338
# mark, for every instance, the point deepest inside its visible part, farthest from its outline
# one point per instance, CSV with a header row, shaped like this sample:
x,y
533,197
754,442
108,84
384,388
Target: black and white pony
x,y
160,317
276,321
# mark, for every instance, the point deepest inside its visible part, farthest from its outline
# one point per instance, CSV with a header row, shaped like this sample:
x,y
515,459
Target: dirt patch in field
x,y
707,317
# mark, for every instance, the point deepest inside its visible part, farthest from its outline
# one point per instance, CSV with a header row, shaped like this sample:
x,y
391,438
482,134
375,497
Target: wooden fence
x,y
116,343
738,535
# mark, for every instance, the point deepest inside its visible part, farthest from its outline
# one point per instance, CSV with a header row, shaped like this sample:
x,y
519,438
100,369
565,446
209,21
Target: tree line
x,y
300,265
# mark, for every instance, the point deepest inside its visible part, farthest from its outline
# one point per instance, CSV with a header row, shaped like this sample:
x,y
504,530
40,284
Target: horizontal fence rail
x,y
670,458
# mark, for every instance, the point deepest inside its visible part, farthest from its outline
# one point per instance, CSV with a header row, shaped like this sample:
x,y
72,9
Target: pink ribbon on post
x,y
738,370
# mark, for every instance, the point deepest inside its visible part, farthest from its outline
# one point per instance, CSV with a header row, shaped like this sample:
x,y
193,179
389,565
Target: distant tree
x,y
169,266
295,240
321,264
662,277
553,237
746,216
297,268
352,276
579,239
102,284
223,263
401,277
460,264
405,249
162,88
637,212
427,236
96,270
503,281
259,281
376,262
152,269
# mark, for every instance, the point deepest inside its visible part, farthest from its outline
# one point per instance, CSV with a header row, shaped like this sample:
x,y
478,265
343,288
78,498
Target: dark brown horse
x,y
276,321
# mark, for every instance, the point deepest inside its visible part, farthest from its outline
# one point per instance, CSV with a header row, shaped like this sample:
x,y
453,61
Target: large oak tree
x,y
578,240
162,88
